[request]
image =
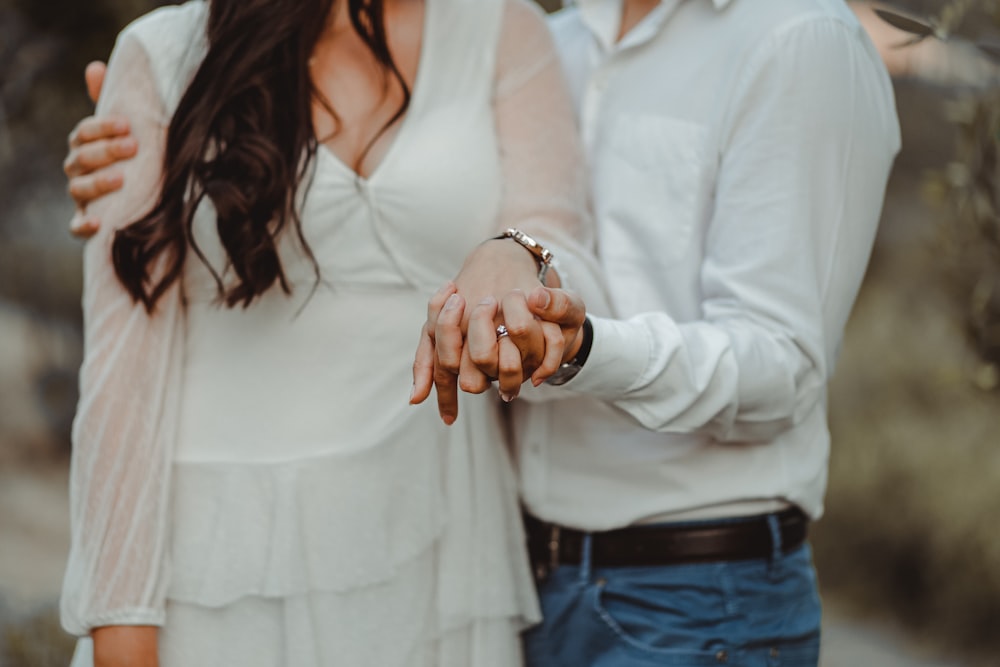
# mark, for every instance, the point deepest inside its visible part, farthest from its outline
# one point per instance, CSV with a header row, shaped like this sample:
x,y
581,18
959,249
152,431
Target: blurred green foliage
x,y
968,187
36,641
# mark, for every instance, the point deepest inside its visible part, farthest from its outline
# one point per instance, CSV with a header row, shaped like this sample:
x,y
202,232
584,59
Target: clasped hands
x,y
459,348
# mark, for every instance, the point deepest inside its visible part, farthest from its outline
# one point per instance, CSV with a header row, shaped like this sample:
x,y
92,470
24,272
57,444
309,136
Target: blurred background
x,y
909,551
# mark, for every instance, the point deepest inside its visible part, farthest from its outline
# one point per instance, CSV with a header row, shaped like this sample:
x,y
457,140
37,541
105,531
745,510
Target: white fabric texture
x,y
739,153
254,481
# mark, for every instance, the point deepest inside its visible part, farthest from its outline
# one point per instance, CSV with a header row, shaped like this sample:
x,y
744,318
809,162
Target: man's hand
x,y
125,646
492,270
547,324
94,144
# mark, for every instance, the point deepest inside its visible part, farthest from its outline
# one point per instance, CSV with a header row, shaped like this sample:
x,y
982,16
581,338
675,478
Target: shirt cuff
x,y
132,616
619,355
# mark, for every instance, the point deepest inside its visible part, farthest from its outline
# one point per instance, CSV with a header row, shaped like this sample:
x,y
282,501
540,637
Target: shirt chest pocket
x,y
655,181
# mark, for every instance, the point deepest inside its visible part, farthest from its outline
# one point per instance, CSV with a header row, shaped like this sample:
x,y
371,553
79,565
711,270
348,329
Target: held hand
x,y
532,348
563,309
425,360
125,646
547,325
493,268
94,144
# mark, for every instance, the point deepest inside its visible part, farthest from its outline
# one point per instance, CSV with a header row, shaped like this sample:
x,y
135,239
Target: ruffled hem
x,y
332,523
342,522
261,640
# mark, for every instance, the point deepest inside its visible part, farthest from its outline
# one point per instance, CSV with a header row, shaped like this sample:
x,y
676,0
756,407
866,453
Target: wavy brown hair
x,y
243,136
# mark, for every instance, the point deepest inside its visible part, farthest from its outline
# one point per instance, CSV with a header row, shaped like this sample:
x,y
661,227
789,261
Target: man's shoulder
x,y
756,21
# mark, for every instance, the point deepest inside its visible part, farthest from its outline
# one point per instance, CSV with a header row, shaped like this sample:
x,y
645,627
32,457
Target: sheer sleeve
x,y
544,169
125,422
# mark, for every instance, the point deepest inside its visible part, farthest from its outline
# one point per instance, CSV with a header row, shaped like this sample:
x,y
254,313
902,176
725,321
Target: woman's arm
x,y
123,433
545,195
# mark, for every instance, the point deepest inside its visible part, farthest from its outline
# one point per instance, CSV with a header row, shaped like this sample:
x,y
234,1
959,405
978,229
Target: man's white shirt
x,y
739,152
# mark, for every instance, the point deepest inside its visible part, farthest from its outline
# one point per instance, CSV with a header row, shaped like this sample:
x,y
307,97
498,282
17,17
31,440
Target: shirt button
x,y
722,656
775,652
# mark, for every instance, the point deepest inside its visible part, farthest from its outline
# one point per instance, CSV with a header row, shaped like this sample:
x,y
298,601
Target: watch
x,y
569,369
542,254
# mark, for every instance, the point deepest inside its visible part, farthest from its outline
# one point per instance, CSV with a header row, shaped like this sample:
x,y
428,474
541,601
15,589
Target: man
x,y
739,153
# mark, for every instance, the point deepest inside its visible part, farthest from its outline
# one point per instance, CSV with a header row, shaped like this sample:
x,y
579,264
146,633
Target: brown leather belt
x,y
664,544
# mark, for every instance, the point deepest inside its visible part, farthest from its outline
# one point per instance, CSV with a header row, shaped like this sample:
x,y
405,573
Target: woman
x,y
249,486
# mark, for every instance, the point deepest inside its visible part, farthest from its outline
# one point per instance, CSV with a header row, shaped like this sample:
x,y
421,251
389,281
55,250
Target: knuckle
x,y
448,365
470,385
77,189
519,329
479,357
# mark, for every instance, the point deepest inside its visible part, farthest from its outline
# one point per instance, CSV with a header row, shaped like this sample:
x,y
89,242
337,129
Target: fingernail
x,y
120,126
487,301
127,145
413,390
451,303
544,299
507,398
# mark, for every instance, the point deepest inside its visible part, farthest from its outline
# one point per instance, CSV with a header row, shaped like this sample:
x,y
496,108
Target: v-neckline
x,y
426,43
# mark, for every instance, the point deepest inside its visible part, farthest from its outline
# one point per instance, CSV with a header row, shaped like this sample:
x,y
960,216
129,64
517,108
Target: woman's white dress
x,y
254,480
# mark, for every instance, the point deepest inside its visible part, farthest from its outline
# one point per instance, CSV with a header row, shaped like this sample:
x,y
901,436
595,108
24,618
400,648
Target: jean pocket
x,y
664,625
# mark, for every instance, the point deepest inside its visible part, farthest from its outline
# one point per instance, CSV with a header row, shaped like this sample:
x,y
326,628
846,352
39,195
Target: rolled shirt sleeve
x,y
810,137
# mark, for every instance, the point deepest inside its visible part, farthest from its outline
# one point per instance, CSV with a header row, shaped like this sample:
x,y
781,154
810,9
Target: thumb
x,y
94,76
558,306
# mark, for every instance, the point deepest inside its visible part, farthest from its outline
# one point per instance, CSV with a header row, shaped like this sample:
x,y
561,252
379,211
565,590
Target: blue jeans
x,y
751,613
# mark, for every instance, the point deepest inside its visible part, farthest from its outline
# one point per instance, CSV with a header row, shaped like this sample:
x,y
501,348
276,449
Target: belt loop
x,y
585,552
774,525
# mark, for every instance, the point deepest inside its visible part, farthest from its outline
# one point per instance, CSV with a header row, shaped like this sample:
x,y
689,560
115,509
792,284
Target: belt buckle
x,y
553,547
544,568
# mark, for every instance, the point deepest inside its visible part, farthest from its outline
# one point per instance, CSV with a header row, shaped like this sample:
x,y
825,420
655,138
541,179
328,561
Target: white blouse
x,y
221,453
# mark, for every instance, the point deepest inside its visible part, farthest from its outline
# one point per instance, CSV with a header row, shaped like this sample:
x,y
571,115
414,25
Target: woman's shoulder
x,y
169,25
173,40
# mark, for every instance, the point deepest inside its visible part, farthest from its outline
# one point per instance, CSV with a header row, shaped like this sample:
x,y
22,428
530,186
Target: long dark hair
x,y
243,136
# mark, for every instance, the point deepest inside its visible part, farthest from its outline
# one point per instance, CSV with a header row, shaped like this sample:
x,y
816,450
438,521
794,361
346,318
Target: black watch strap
x,y
569,369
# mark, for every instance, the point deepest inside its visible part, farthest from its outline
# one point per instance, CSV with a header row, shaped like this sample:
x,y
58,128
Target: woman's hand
x,y
459,348
95,143
546,324
125,646
492,270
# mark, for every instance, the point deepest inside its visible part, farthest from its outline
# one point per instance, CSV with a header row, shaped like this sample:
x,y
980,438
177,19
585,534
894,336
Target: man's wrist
x,y
569,369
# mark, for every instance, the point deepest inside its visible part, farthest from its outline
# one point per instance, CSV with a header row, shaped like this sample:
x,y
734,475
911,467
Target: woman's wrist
x,y
540,256
125,646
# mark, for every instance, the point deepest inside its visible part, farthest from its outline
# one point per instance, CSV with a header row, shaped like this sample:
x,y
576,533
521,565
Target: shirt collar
x,y
603,18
